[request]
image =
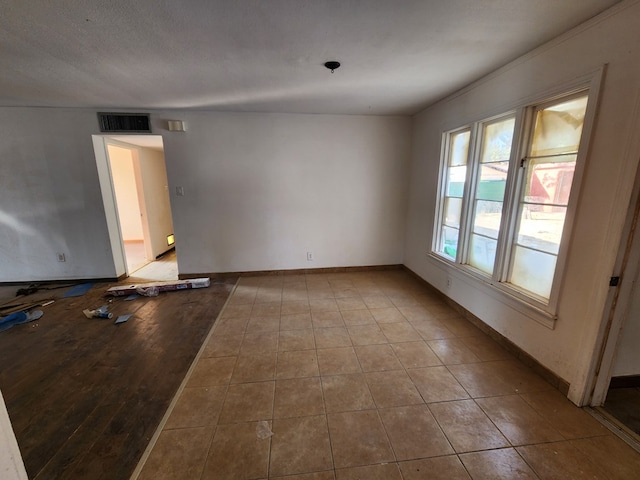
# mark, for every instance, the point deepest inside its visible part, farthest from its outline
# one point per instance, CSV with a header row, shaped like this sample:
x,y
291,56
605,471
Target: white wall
x,y
155,187
260,190
50,200
612,39
126,191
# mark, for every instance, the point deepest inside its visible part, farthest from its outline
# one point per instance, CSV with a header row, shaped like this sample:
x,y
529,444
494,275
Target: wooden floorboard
x,y
84,395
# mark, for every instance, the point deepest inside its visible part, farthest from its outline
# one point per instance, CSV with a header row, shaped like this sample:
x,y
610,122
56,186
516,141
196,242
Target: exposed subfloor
x,y
84,395
369,376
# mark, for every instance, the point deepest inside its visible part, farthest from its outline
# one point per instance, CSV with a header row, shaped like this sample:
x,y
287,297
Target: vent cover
x,y
124,122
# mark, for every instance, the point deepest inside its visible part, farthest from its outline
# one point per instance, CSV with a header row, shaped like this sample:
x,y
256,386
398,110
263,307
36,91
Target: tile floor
x,y
163,269
369,376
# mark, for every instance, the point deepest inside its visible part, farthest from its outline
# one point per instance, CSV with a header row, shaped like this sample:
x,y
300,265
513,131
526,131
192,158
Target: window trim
x,y
541,310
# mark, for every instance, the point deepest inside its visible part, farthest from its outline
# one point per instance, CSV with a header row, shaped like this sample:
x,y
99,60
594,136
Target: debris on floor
x,y
263,430
150,288
98,312
122,318
151,291
17,318
36,287
23,307
78,290
33,288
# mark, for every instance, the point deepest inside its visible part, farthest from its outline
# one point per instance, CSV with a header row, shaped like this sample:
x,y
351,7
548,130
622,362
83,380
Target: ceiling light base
x,y
332,65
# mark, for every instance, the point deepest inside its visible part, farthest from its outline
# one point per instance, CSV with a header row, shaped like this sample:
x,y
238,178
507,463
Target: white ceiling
x,y
397,56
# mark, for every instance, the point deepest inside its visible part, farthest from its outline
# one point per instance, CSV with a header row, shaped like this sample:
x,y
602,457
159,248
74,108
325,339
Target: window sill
x,y
500,293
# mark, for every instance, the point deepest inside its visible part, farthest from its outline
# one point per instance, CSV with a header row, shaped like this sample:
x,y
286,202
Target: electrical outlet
x,y
309,256
448,282
61,257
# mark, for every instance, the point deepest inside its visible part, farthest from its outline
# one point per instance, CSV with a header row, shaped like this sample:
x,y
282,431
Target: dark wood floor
x,y
85,395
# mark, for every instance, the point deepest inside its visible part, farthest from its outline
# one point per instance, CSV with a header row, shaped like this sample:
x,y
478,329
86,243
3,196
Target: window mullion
x,y
469,196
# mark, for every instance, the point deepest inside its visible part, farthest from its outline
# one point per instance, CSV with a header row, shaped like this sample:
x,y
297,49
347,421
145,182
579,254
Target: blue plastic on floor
x,y
17,318
122,318
78,290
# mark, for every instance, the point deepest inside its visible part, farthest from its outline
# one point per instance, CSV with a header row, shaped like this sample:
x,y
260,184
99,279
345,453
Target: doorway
x,y
135,193
620,403
131,206
615,392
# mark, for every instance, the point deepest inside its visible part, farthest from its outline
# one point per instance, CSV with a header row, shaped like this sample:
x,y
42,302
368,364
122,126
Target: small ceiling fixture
x,y
333,65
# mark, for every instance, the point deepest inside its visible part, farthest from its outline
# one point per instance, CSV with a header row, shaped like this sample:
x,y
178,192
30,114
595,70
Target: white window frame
x,y
540,309
442,187
477,150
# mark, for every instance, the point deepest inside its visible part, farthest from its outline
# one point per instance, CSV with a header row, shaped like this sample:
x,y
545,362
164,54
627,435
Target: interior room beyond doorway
x,y
140,187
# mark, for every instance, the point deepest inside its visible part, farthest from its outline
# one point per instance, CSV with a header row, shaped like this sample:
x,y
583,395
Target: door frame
x,y
100,144
618,300
627,269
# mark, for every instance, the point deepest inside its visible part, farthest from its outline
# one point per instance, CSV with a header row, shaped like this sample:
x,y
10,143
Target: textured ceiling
x,y
266,55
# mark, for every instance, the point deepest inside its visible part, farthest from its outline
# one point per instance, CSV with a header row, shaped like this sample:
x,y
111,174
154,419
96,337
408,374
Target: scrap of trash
x,y
104,313
263,430
155,288
12,313
101,312
17,318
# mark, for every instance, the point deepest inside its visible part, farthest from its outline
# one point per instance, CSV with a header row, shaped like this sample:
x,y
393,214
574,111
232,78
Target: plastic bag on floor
x,y
148,291
263,430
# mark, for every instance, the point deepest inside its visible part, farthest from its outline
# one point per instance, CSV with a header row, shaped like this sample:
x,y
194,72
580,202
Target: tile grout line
x,y
324,403
405,369
425,403
275,380
174,400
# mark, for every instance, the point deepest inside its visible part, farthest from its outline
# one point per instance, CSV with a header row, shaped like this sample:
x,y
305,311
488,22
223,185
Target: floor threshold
x,y
615,426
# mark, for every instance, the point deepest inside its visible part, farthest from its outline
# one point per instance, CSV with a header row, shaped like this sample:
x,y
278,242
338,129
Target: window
x,y
457,153
505,196
488,198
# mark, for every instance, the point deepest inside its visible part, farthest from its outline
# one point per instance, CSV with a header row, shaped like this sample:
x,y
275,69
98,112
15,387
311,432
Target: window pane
x,y
496,144
541,227
459,148
456,176
449,242
486,220
489,193
455,185
482,253
452,211
546,185
533,271
558,128
492,178
549,180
